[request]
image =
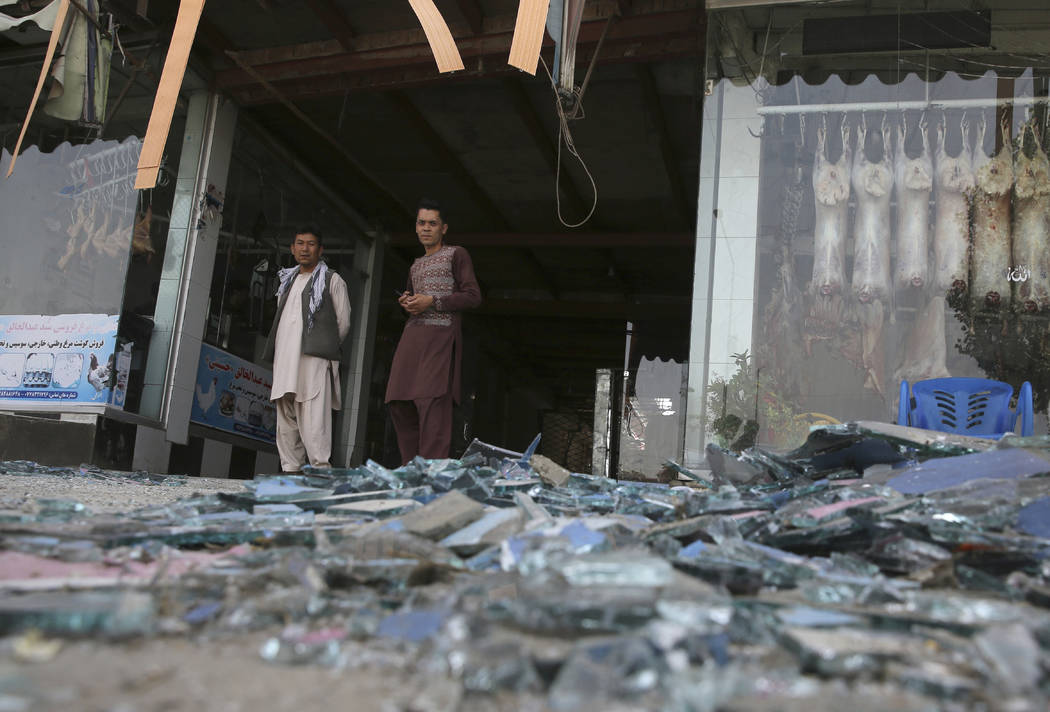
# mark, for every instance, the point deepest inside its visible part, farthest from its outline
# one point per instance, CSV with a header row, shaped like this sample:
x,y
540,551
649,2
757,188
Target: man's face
x,y
430,228
307,251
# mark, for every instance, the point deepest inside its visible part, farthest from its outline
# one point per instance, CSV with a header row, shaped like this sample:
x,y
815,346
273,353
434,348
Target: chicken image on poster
x,y
233,395
206,396
98,375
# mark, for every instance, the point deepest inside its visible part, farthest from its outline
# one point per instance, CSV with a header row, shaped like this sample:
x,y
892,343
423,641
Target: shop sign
x,y
64,359
233,395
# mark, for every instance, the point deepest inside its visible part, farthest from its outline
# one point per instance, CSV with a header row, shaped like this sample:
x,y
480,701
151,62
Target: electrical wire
x,y
565,135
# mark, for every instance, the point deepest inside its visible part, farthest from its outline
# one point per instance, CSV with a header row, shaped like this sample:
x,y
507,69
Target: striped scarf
x,y
315,287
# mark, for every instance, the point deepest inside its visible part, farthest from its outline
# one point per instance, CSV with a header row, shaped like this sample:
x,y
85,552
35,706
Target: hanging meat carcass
x,y
1031,225
953,179
913,178
993,179
872,184
831,189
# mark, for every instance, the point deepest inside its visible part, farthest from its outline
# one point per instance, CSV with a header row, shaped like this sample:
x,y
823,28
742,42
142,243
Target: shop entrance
x,y
561,302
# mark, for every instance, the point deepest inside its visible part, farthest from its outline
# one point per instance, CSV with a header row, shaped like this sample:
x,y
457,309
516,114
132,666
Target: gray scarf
x,y
315,287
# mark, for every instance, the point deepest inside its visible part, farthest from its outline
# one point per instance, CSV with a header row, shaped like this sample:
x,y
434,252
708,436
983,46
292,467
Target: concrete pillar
x,y
182,299
152,450
182,210
215,459
200,262
726,250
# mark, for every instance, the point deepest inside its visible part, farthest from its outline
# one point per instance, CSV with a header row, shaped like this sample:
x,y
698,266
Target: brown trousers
x,y
423,427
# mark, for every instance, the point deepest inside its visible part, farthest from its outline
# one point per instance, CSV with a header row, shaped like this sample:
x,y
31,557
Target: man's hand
x,y
416,303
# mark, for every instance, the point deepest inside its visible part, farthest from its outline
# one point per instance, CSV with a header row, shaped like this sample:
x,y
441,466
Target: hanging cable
x,y
565,135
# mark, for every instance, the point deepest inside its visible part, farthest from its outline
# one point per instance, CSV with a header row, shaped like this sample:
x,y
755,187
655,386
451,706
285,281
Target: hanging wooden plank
x,y
49,56
168,92
446,54
528,35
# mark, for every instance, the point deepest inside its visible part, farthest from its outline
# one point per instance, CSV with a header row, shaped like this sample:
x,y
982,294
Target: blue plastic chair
x,y
966,406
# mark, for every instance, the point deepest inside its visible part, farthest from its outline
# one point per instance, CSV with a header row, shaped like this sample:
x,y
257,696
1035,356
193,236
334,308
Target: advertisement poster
x,y
68,358
233,395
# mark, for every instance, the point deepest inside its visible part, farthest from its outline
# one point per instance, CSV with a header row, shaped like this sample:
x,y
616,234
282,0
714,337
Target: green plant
x,y
751,404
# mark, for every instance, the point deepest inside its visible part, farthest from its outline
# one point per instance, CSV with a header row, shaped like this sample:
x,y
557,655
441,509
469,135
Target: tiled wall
x,y
726,249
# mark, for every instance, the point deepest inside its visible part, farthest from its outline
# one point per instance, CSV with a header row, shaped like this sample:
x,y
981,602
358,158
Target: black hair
x,y
431,204
309,228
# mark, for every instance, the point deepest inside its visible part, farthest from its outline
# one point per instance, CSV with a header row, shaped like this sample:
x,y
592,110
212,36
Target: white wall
x,y
724,273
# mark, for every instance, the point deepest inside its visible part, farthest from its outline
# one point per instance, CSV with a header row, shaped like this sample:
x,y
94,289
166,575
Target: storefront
x,y
132,321
873,208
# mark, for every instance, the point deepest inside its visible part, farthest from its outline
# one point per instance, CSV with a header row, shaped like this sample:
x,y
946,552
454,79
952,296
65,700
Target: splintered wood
x,y
528,35
56,32
446,54
168,93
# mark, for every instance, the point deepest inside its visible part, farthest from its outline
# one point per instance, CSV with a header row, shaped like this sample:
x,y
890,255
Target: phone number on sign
x,y
42,395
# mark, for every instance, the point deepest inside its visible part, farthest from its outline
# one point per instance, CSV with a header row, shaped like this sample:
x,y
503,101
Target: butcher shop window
x,y
870,217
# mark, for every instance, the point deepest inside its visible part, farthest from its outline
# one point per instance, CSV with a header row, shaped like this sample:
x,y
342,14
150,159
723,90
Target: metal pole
x,y
901,105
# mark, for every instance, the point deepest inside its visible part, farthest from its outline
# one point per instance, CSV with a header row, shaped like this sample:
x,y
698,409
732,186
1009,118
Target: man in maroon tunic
x,y
424,377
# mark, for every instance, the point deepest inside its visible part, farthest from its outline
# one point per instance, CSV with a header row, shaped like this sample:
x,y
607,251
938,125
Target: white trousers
x,y
304,430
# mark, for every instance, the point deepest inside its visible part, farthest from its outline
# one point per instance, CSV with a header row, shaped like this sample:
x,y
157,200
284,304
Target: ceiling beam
x,y
653,49
491,25
335,20
582,240
651,102
289,63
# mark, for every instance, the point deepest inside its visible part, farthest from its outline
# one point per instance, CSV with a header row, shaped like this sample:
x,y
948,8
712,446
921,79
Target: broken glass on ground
x,y
873,560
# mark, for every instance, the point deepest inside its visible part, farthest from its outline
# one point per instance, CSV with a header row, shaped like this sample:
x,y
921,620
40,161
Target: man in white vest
x,y
304,344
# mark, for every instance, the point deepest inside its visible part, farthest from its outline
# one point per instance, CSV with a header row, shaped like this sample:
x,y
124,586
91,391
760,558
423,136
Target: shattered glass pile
x,y
876,567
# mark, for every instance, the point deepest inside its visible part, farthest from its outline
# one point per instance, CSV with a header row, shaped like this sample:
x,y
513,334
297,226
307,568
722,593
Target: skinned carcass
x,y
871,289
913,180
953,180
831,190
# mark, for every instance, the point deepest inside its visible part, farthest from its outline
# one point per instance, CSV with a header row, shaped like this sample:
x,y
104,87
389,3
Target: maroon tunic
x,y
427,361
